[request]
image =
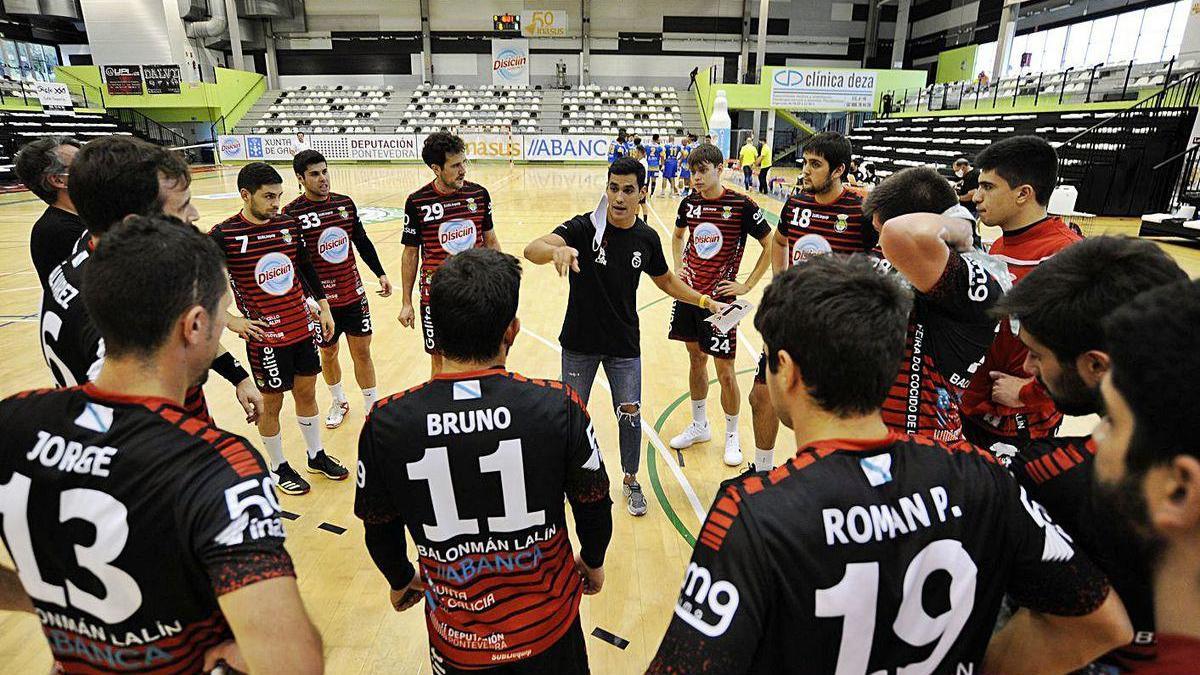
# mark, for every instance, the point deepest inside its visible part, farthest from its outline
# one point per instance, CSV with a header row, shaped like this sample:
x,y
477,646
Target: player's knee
x,y
360,349
760,398
697,358
630,413
726,378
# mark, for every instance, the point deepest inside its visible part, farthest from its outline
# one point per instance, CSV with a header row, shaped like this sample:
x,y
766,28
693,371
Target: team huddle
x,y
930,520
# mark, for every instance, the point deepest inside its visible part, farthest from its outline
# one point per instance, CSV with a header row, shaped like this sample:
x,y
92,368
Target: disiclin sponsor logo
x,y
231,146
707,240
808,246
334,245
457,236
509,63
274,272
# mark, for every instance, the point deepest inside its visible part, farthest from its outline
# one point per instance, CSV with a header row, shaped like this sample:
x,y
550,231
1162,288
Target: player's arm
x,y
490,240
587,490
312,283
1070,615
681,229
13,597
554,248
410,262
262,612
366,250
489,226
724,601
248,395
919,244
755,225
242,326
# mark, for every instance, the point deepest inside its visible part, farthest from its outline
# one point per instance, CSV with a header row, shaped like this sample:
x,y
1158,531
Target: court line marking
x,y
658,444
661,225
23,288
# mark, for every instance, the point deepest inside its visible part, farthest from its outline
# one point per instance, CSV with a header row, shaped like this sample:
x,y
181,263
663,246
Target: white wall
x,y
398,81
132,31
67,51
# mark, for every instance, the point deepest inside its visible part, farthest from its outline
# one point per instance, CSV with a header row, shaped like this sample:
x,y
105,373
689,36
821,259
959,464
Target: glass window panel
x,y
1124,42
1075,51
985,58
1052,55
1101,40
1014,54
1035,47
1179,17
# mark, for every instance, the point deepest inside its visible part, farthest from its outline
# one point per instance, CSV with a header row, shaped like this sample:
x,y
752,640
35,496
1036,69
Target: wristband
x,y
705,301
227,366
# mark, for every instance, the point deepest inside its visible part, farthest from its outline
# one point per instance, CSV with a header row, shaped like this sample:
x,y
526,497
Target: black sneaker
x,y
327,466
288,481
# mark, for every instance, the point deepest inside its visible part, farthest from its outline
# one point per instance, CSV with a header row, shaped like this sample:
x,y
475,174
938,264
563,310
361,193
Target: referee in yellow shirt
x,y
764,165
749,155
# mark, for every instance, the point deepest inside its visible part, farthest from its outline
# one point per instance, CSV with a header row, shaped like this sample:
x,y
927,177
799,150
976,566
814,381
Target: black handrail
x,y
1189,81
1174,157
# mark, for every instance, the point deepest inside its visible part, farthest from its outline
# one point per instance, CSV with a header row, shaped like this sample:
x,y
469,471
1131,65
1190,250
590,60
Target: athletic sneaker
x,y
635,501
337,414
733,450
288,481
694,433
327,466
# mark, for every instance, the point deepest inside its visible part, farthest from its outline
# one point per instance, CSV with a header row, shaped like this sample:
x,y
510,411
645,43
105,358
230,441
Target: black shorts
x,y
983,436
688,325
568,656
352,319
760,375
427,330
275,368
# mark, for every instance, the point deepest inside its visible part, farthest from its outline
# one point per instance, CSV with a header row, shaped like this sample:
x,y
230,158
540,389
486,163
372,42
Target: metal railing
x,y
20,91
152,130
220,126
1179,178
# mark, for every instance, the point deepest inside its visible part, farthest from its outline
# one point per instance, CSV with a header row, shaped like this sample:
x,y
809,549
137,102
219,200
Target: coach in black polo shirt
x,y
43,166
606,253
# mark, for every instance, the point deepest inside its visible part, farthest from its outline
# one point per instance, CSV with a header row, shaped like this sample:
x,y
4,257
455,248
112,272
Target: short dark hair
x,y
117,176
654,138
843,323
438,145
38,160
626,166
917,189
144,273
961,161
1023,160
1064,300
305,159
831,146
705,153
472,299
1155,352
257,174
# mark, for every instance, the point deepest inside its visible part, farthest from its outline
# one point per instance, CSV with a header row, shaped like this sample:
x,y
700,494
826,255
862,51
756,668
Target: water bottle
x,y
719,123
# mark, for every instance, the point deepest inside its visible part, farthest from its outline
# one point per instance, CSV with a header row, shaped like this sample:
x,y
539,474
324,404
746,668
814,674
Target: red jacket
x,y
1022,250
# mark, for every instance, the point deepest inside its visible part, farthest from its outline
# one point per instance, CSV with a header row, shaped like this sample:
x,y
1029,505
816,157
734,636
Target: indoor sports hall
x,y
545,96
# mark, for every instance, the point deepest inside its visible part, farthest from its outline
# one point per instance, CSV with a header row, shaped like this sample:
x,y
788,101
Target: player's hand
x,y
593,579
566,258
226,656
326,322
409,595
1006,389
385,287
250,398
728,288
248,330
716,307
407,316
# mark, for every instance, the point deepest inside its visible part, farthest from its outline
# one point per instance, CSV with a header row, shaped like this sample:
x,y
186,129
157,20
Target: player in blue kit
x,y
654,162
619,147
685,174
671,153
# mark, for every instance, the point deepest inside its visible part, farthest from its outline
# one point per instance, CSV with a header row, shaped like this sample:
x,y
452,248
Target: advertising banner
x,y
823,89
510,61
544,23
562,148
55,98
162,79
123,80
493,146
367,146
231,147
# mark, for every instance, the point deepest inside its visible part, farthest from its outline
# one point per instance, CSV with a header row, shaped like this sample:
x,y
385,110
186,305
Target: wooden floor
x,y
345,595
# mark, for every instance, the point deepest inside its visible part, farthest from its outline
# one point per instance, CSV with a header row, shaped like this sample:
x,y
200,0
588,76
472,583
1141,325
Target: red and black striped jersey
x,y
476,466
718,228
331,230
851,544
949,331
812,228
1022,251
266,265
443,225
128,518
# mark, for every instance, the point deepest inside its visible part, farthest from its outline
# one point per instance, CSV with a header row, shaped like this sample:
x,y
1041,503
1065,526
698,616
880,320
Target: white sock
x,y
764,460
274,446
731,424
312,434
338,393
369,397
699,415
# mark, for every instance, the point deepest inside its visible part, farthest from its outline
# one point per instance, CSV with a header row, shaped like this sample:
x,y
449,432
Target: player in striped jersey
x,y
1017,176
823,216
1062,306
719,221
928,239
871,551
445,217
475,464
329,224
118,176
146,539
270,272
